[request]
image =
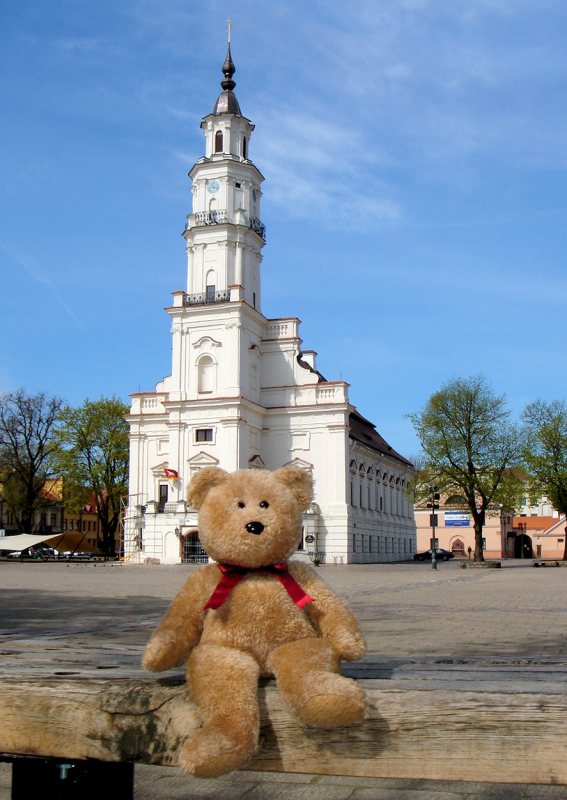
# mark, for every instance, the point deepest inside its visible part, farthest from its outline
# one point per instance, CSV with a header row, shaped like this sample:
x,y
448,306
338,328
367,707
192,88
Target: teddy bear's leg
x,y
307,675
224,685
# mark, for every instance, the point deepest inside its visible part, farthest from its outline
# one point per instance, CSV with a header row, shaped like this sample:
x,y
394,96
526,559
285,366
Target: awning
x,y
75,542
22,541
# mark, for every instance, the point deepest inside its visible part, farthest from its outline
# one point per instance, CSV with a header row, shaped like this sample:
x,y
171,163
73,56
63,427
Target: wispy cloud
x,y
39,274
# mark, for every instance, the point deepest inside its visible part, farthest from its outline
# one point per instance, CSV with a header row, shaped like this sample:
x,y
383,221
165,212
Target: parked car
x,y
440,555
37,551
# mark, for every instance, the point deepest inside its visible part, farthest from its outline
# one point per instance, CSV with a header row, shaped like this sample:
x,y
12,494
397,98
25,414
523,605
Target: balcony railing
x,y
258,227
221,215
211,217
205,298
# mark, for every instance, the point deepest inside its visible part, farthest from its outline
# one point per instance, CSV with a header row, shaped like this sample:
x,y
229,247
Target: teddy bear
x,y
251,613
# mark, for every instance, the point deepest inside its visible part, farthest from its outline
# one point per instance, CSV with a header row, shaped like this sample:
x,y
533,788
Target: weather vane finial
x,y
229,27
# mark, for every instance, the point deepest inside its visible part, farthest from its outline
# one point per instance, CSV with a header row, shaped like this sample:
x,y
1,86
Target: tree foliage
x,y
94,460
29,439
471,448
544,453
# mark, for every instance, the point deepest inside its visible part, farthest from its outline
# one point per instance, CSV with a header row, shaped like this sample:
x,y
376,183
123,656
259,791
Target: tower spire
x,y
227,102
228,67
228,70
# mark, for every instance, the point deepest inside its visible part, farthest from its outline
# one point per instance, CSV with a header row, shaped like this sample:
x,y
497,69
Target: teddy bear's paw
x,y
348,707
349,646
156,657
211,752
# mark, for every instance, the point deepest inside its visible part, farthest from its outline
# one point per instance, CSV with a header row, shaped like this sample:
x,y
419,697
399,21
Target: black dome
x,y
227,104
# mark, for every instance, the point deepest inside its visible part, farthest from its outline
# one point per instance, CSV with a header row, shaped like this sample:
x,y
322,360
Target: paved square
x,y
84,617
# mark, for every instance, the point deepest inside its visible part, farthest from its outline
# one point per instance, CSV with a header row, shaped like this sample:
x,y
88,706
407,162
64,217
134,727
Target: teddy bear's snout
x,y
255,527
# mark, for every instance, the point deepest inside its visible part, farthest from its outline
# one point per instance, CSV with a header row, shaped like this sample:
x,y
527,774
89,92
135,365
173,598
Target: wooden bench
x,y
493,721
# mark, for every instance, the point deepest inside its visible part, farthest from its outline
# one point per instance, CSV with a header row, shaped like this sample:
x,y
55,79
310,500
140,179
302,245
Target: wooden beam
x,y
451,734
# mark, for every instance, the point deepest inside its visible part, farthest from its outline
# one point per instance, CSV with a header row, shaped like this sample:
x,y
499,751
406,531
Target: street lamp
x,y
433,504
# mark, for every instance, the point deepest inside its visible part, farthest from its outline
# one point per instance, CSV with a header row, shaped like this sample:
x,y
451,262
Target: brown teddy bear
x,y
252,614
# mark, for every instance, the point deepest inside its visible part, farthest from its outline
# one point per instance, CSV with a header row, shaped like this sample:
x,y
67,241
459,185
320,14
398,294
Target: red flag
x,y
170,473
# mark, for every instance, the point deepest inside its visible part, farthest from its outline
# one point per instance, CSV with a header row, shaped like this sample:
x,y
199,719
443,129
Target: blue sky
x,y
415,197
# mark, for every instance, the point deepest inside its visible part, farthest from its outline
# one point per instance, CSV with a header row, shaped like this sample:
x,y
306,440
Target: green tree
x,y
471,448
544,453
94,460
29,441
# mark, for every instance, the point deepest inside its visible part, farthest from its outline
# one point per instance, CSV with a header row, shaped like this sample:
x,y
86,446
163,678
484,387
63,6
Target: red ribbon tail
x,y
294,590
224,588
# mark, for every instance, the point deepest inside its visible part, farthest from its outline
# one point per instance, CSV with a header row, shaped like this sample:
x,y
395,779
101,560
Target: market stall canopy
x,y
74,542
22,541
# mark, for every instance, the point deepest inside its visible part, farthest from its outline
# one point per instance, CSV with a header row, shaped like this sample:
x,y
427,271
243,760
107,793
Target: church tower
x,y
224,233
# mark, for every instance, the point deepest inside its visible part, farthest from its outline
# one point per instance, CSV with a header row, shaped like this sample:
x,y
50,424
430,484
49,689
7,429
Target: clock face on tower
x,y
213,187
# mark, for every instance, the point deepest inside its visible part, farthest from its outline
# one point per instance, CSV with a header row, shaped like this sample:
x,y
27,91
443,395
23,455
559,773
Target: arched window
x,y
218,142
244,147
211,285
205,374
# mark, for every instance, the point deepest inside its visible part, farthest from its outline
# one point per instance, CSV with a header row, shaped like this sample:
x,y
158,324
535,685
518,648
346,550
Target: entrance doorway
x,y
458,548
192,549
523,546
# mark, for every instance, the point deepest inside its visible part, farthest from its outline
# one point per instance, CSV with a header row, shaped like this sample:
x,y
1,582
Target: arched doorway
x,y
192,550
458,547
523,546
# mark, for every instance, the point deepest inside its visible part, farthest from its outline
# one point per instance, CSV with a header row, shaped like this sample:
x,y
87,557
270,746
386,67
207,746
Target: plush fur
x,y
258,630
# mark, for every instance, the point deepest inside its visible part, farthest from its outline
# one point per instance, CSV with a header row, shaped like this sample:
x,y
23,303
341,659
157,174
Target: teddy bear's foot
x,y
307,674
211,752
347,707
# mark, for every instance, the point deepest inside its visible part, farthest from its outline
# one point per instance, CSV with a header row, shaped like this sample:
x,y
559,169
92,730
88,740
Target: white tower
x,y
224,233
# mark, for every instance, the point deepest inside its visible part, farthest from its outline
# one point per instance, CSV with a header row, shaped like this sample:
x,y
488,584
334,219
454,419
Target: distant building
x,y
53,518
454,530
244,394
545,543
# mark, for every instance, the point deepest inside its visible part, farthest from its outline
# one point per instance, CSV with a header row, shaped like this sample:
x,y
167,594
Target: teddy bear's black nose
x,y
255,527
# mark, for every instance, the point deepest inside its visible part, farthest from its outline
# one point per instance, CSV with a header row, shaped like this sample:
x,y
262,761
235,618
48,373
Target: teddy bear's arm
x,y
333,620
181,628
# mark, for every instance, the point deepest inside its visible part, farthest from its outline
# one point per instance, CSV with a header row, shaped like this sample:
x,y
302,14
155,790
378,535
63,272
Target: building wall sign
x,y
456,519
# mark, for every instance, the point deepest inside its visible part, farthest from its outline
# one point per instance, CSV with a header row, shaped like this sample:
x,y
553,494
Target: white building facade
x,y
243,394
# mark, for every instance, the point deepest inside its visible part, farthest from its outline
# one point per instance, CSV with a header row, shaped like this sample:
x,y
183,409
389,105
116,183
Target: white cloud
x,y
39,274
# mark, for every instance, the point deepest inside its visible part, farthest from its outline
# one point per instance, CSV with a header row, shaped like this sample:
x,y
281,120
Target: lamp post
x,y
433,504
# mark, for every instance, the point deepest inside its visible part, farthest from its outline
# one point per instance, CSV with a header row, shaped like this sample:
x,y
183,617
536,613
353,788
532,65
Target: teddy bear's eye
x,y
241,504
264,504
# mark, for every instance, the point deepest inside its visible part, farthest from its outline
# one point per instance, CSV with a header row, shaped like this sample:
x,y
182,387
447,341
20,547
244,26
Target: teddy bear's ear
x,y
201,483
299,482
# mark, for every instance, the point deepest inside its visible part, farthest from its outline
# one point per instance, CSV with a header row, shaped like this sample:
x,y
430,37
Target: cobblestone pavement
x,y
406,610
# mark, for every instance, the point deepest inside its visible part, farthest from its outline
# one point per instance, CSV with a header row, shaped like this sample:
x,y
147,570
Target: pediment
x,y
206,341
203,460
159,468
299,462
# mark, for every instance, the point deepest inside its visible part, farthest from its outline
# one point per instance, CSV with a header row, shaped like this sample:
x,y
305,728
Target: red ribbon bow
x,y
231,576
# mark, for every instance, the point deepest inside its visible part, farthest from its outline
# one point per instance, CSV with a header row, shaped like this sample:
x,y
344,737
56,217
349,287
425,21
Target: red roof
x,y
363,431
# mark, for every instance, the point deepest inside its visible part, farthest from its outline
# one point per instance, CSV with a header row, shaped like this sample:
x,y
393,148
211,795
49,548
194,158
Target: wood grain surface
x,y
451,733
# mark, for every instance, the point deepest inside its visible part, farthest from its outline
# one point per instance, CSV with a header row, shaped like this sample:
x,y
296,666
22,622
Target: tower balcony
x,y
220,216
216,217
258,227
207,298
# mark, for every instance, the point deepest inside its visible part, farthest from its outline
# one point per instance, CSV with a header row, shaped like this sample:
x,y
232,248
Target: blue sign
x,y
456,519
